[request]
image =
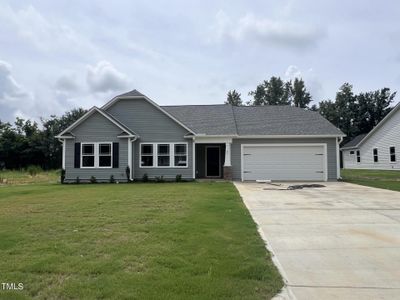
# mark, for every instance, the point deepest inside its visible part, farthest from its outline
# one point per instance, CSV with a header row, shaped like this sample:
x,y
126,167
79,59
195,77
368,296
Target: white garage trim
x,y
285,145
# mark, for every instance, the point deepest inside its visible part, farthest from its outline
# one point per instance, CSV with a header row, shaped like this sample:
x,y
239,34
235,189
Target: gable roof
x,y
354,142
357,141
267,120
135,94
206,119
66,133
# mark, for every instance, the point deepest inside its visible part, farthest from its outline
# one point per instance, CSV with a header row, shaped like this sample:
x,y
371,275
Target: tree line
x,y
353,113
26,143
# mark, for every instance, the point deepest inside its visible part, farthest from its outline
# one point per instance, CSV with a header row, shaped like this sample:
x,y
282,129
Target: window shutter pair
x,y
115,158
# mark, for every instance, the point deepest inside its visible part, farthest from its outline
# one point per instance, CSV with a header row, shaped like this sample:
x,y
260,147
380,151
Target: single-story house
x,y
378,149
199,141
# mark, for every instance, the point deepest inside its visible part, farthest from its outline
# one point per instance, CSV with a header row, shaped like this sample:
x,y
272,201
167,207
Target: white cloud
x,y
311,80
67,83
104,77
43,33
273,32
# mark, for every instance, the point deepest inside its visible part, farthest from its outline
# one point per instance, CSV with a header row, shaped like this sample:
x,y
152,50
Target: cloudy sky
x,y
56,55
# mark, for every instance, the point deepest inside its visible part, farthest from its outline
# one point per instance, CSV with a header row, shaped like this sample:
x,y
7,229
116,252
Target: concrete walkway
x,y
337,242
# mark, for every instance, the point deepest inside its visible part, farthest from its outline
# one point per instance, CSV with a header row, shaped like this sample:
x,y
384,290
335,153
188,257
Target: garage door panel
x,y
283,162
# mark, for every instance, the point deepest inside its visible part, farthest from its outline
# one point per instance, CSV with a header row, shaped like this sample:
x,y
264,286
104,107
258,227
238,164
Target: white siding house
x,y
379,149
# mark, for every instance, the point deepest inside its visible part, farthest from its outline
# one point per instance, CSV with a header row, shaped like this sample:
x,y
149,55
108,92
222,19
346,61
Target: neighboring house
x,y
199,141
379,149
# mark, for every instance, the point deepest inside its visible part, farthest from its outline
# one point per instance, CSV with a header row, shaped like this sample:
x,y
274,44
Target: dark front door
x,y
213,159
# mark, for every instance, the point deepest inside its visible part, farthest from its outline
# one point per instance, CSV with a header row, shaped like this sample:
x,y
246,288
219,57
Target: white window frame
x,y
171,155
377,155
96,154
358,156
390,155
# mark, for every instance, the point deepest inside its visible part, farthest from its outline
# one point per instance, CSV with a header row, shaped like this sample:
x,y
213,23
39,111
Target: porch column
x,y
227,163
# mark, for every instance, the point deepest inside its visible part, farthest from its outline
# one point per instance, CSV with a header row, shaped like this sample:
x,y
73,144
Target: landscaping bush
x,y
112,180
128,172
93,179
34,170
145,178
160,179
178,178
62,175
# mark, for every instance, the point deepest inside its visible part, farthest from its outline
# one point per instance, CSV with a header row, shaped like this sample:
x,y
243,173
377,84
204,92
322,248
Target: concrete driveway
x,y
337,242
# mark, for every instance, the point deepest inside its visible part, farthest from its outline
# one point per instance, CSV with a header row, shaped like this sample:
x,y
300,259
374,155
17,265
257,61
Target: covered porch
x,y
212,159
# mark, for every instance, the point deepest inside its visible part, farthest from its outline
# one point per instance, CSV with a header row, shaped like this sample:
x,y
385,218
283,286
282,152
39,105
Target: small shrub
x,y
178,178
160,179
93,179
128,173
77,180
33,170
145,177
112,180
62,175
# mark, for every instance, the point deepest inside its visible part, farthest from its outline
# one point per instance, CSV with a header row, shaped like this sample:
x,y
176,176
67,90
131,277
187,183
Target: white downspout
x,y
338,141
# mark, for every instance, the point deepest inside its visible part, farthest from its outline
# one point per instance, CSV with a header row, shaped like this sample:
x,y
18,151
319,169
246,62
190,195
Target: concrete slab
x,y
341,241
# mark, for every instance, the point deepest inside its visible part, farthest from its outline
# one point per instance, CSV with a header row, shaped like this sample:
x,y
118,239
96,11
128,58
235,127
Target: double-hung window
x,y
375,154
180,159
96,155
163,155
392,151
358,156
163,159
147,151
105,155
88,155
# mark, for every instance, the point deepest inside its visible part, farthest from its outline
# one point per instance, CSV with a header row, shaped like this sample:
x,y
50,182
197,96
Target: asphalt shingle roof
x,y
354,142
252,120
205,119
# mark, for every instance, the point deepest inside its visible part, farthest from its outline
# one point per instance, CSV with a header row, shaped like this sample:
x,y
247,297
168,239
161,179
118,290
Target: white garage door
x,y
284,162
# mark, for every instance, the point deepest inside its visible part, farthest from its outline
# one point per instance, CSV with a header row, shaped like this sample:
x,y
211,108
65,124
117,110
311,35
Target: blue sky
x,y
56,55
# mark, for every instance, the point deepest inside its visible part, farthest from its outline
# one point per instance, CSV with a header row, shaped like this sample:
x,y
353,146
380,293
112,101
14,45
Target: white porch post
x,y
63,153
227,162
194,158
130,157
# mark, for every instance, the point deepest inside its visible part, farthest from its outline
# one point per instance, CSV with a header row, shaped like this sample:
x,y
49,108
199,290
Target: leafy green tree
x,y
272,92
301,97
233,98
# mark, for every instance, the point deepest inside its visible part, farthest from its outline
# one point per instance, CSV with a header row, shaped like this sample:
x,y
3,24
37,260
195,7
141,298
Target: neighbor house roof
x,y
359,139
354,142
225,119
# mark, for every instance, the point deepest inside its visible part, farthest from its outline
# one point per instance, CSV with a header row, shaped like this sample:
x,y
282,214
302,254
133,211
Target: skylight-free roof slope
x,y
205,119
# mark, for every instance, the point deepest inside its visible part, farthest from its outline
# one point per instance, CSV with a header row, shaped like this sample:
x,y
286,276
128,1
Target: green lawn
x,y
376,178
12,177
132,241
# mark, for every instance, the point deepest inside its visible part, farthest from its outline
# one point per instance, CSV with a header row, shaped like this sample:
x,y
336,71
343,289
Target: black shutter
x,y
77,157
115,155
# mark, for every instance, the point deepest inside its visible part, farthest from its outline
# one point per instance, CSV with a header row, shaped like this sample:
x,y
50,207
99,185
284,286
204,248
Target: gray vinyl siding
x,y
96,129
386,136
331,150
153,126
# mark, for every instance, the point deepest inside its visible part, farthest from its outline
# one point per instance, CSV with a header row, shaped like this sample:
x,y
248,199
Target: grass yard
x,y
376,178
132,241
12,177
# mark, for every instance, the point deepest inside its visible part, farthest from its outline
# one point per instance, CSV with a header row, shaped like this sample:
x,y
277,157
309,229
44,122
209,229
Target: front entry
x,y
213,161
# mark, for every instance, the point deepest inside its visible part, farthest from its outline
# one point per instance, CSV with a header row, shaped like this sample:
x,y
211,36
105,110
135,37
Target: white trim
x,y
63,153
210,140
324,145
228,155
194,159
338,141
115,99
219,161
96,154
171,155
130,158
88,114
